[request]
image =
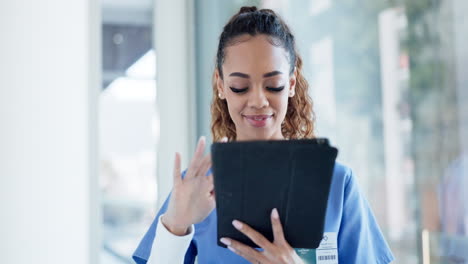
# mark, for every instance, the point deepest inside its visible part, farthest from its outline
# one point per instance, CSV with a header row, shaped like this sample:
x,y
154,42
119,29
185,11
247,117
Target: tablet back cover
x,y
253,177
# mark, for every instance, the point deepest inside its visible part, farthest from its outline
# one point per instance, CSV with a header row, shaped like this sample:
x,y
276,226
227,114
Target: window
x,y
129,127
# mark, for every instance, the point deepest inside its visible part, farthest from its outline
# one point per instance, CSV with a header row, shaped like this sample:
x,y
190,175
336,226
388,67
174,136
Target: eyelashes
x,y
238,90
275,89
272,89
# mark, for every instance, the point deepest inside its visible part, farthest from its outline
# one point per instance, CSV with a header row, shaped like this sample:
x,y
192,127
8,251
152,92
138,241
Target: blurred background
x,y
96,97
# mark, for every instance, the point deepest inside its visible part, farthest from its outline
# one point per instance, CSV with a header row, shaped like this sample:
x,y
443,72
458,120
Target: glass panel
x,y
128,126
444,248
390,88
388,79
210,17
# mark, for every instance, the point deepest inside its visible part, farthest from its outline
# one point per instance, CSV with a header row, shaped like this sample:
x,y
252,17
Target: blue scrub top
x,y
348,215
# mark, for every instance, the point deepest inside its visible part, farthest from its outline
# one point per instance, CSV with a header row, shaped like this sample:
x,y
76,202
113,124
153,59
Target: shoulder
x,y
342,183
359,237
341,170
345,186
342,175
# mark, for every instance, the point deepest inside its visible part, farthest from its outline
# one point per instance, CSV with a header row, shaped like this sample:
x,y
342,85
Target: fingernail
x,y
237,224
225,241
275,214
232,249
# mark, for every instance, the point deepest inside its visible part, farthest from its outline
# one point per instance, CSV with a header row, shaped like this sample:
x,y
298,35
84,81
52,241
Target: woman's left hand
x,y
277,252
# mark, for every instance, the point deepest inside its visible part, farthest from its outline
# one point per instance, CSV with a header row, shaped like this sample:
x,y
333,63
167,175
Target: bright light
x,y
127,89
144,68
139,84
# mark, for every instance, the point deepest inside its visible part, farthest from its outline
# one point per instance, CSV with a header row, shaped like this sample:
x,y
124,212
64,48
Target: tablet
x,y
253,177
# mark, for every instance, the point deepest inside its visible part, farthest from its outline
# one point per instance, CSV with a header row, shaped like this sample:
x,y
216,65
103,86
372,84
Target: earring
x,y
219,95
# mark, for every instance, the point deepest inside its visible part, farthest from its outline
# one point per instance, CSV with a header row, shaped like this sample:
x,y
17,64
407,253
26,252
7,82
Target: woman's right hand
x,y
192,198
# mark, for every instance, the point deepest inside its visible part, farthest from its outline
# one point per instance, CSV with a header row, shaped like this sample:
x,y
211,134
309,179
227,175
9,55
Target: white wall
x,y
49,68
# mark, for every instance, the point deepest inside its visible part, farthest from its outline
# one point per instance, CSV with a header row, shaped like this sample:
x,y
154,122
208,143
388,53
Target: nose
x,y
258,98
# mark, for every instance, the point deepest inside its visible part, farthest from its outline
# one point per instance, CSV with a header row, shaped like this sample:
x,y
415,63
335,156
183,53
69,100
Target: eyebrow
x,y
270,74
266,75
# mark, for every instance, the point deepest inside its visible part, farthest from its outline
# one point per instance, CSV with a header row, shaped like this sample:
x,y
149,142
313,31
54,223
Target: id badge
x,y
326,253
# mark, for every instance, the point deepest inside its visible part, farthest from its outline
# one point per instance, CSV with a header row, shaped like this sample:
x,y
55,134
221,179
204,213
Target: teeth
x,y
259,118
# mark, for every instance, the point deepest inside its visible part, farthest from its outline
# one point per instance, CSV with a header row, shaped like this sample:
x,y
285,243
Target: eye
x,y
238,90
275,89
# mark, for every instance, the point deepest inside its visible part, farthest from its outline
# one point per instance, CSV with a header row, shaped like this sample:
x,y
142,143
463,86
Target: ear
x,y
292,83
219,85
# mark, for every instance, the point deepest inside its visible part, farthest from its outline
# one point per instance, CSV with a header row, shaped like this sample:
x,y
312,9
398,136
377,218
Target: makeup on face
x,y
258,120
241,86
256,87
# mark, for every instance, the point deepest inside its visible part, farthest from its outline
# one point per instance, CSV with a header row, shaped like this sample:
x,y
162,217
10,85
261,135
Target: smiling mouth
x,y
257,120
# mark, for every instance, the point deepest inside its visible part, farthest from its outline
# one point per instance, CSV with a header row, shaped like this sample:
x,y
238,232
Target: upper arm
x,y
360,239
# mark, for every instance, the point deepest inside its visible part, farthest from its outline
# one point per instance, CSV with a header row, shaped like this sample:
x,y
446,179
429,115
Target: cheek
x,y
234,107
280,104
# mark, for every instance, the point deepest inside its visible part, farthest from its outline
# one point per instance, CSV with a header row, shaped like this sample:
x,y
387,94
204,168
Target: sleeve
x,y
360,239
169,248
143,251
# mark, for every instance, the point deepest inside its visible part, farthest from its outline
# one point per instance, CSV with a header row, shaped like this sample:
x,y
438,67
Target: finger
x,y
209,185
197,157
255,236
210,178
211,182
207,181
177,176
205,166
250,254
278,233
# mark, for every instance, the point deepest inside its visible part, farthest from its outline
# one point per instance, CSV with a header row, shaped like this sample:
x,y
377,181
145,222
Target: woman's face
x,y
256,87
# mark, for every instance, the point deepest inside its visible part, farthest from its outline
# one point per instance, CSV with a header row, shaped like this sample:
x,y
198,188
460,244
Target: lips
x,y
258,120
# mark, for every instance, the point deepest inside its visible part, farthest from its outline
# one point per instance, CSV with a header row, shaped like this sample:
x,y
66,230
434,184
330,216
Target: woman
x,y
259,93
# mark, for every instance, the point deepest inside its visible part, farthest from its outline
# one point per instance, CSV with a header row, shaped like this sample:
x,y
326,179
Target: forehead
x,y
255,55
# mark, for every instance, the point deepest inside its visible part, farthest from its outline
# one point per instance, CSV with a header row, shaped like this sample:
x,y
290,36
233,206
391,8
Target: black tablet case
x,y
253,177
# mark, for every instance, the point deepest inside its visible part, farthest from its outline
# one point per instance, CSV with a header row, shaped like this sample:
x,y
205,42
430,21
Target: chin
x,y
261,134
